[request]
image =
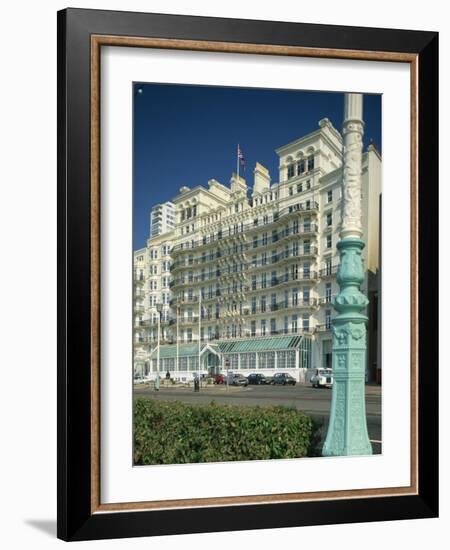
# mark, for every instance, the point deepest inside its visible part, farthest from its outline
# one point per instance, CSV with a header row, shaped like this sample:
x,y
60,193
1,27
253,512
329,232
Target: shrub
x,y
178,433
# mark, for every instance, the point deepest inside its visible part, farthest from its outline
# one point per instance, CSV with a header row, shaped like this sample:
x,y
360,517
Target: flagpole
x,y
237,163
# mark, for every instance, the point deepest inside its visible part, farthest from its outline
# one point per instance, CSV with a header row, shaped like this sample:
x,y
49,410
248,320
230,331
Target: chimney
x,y
262,179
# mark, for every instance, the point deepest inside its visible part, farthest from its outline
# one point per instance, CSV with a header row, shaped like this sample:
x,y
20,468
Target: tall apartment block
x,y
245,278
163,218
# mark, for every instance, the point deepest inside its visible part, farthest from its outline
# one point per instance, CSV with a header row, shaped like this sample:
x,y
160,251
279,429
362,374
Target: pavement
x,y
314,402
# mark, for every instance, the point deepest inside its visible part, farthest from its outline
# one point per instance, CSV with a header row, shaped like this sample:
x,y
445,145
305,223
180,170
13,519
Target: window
x,y
291,191
255,241
294,299
290,171
253,304
286,324
329,219
295,248
274,256
273,302
328,266
264,258
295,227
263,327
306,246
329,241
273,326
253,328
306,296
253,282
264,239
300,167
286,298
328,293
310,162
299,187
306,270
263,304
305,321
263,280
328,319
273,278
274,236
294,324
330,195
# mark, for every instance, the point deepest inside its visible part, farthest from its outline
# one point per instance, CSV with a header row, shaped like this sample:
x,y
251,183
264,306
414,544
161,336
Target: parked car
x,y
219,379
238,380
259,379
283,378
138,380
322,378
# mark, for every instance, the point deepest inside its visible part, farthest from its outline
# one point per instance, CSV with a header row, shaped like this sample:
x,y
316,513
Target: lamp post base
x,y
347,430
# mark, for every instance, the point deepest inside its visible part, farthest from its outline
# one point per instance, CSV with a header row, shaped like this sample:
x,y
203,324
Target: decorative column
x,y
347,429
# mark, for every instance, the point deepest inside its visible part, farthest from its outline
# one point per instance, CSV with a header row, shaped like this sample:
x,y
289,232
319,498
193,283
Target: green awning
x,y
261,344
184,350
232,346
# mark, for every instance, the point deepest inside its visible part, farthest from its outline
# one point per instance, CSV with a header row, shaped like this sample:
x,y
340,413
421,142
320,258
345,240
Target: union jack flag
x,y
241,157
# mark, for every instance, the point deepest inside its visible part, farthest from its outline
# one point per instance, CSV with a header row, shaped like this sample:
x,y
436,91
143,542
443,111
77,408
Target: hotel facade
x,y
244,281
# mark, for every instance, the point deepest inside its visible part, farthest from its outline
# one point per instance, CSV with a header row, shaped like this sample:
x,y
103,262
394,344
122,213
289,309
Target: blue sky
x,y
187,135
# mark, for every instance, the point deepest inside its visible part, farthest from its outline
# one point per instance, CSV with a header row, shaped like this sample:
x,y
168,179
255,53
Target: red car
x,y
219,379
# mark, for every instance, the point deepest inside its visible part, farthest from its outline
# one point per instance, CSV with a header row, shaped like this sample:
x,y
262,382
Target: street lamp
x,y
347,430
159,307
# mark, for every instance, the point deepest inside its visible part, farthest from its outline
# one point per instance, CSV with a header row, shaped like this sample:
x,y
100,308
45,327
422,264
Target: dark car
x,y
283,379
258,379
219,379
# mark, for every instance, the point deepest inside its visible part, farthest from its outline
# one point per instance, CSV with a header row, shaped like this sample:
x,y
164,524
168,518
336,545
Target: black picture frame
x,y
76,521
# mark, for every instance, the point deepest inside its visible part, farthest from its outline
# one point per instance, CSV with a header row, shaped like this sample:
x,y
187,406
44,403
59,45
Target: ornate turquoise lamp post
x,y
347,429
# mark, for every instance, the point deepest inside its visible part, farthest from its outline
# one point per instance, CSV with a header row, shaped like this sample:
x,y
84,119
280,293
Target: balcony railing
x,y
142,323
302,207
323,328
329,271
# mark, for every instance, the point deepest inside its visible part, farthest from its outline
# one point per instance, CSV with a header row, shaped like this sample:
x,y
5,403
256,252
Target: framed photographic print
x,y
247,274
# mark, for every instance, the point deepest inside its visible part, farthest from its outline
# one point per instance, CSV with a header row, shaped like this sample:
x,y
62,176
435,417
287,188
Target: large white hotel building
x,y
245,278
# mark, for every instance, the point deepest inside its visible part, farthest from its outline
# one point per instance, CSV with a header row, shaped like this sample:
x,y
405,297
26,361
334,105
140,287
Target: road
x,y
314,402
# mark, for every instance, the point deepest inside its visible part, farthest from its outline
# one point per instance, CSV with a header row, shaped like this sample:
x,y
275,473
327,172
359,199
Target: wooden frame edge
x,y
261,49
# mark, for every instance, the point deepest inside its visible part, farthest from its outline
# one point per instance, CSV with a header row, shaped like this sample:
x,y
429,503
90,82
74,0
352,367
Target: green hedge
x,y
178,433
